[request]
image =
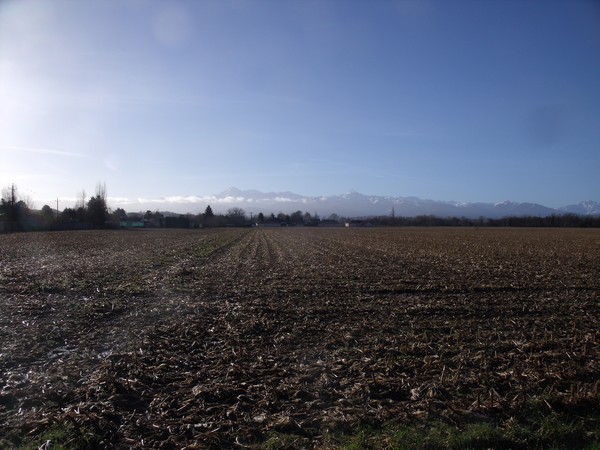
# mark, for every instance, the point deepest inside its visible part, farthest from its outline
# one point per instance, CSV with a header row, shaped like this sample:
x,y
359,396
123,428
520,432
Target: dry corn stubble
x,y
220,337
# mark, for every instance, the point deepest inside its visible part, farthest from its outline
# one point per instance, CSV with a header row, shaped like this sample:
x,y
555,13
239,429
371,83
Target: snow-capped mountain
x,y
588,208
355,204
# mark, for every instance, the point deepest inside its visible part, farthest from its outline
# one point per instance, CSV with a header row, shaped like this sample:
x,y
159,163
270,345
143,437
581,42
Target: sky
x,y
469,101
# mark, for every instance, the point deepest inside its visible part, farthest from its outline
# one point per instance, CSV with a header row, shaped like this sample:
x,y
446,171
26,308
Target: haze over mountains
x,y
355,204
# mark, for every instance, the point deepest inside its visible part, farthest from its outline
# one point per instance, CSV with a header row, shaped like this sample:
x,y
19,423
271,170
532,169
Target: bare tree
x,y
9,195
81,200
14,211
101,190
237,216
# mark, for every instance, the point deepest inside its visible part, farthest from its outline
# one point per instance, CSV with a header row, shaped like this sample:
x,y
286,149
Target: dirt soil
x,y
220,338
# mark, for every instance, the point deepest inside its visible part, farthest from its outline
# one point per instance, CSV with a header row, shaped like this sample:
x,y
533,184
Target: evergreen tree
x,y
97,210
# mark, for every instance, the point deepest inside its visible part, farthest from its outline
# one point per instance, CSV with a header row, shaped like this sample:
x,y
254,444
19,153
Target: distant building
x,y
131,224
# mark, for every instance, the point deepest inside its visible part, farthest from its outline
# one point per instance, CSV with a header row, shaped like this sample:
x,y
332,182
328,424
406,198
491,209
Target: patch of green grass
x,y
62,436
208,247
536,427
480,436
203,251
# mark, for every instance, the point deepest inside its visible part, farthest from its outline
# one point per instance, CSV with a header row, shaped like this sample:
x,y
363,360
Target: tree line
x,y
553,221
17,214
234,217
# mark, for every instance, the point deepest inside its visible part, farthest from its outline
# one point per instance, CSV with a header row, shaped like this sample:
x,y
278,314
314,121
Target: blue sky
x,y
447,100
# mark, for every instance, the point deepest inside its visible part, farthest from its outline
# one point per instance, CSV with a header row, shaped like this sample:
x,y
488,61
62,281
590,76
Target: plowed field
x,y
225,338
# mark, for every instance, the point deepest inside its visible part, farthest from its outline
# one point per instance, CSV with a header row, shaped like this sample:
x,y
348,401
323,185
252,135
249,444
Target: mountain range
x,y
355,204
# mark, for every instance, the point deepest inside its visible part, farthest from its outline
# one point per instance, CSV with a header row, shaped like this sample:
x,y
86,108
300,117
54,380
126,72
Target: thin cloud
x,y
45,151
119,200
176,200
193,200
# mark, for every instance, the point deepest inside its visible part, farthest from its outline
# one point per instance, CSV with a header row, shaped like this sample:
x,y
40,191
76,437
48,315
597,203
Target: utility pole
x,y
57,208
